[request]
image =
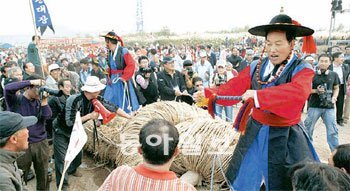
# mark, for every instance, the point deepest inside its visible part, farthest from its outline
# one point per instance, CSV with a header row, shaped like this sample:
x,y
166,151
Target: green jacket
x,y
33,54
9,172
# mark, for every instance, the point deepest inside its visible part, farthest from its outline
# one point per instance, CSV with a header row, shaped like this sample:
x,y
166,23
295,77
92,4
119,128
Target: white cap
x,y
93,84
221,63
53,67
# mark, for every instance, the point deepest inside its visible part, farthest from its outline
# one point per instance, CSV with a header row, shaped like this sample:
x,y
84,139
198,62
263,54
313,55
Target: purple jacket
x,y
20,104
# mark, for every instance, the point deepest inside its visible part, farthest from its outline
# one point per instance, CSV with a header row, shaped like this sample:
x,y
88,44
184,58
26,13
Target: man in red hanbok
x,y
275,88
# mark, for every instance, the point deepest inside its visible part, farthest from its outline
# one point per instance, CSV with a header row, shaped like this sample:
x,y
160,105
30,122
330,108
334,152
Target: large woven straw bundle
x,y
200,141
119,138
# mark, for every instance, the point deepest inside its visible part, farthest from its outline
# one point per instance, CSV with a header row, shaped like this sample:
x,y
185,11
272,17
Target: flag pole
x,y
36,34
62,176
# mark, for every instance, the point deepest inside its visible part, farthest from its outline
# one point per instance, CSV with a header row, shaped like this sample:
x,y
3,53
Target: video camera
x,y
326,97
57,93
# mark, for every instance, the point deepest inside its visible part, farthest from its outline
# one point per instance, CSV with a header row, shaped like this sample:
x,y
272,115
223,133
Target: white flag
x,y
77,140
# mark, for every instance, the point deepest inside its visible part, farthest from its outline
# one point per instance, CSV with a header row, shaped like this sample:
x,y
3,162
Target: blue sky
x,y
71,17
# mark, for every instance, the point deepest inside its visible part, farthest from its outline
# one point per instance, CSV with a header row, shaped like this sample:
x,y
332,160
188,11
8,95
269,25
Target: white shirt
x,y
339,71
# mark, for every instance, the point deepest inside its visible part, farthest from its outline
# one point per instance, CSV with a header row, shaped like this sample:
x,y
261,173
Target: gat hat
x,y
53,67
281,22
93,84
13,122
110,35
187,63
114,36
167,59
221,63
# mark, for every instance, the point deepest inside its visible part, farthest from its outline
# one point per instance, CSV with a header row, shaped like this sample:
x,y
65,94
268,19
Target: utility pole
x,y
139,16
336,8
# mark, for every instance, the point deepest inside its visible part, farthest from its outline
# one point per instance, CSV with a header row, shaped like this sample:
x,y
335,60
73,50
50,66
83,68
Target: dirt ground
x,y
95,173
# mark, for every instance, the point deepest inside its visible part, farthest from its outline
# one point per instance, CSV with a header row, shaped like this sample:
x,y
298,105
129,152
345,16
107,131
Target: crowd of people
x,y
49,86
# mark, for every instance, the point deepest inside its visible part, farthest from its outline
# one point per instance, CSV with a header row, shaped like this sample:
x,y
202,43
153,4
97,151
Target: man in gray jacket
x,y
13,139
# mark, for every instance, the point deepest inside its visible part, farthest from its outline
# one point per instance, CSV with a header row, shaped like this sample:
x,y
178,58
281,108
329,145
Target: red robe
x,y
284,102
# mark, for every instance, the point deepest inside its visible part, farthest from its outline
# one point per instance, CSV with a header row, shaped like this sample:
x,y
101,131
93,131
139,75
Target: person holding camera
x,y
188,75
221,77
324,93
32,102
146,81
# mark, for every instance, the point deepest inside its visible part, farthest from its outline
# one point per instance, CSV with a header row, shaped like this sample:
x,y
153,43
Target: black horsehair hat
x,y
111,35
281,22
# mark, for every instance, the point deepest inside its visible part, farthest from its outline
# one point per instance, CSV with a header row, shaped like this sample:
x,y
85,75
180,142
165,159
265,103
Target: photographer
x,y
32,103
221,77
325,89
188,75
146,81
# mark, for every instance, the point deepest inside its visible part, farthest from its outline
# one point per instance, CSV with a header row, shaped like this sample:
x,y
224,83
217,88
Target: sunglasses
x,y
199,85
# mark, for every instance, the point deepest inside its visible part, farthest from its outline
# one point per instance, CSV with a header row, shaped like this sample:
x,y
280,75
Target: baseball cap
x,y
13,122
167,59
53,67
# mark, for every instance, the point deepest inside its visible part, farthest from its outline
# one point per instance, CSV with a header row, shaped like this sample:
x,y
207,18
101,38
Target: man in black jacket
x,y
63,124
170,82
343,72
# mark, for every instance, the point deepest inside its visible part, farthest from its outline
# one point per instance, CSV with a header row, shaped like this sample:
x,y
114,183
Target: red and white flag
x,y
77,140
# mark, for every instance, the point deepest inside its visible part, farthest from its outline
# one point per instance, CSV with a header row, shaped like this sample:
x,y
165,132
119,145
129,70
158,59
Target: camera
x,y
145,71
326,97
190,72
52,92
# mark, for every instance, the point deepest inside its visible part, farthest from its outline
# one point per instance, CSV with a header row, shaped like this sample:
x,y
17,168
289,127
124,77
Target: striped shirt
x,y
140,178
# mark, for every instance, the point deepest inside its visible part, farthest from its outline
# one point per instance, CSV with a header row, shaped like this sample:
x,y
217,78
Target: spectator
x,y
219,78
3,77
29,104
15,73
53,77
73,77
204,69
197,84
212,56
170,82
85,70
33,55
324,93
158,147
248,59
343,73
318,177
236,60
96,71
66,64
29,69
13,141
340,158
188,75
146,82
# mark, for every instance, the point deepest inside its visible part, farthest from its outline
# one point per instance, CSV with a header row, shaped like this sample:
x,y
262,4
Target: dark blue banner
x,y
42,16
